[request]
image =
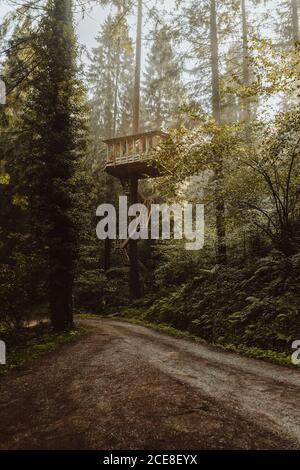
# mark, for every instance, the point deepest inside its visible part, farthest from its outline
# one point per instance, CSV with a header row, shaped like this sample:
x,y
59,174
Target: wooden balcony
x,y
129,155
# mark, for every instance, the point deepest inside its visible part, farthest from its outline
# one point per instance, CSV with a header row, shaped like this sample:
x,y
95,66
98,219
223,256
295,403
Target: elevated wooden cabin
x,y
128,156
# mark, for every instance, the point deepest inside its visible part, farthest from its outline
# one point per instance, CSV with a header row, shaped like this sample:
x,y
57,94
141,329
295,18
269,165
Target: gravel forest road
x,y
124,386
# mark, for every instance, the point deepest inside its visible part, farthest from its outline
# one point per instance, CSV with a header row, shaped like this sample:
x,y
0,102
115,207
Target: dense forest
x,y
224,84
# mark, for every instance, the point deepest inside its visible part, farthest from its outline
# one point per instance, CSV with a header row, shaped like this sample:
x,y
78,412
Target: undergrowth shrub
x,y
257,305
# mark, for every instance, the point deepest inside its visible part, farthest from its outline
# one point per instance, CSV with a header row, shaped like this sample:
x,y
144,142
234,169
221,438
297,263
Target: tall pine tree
x,y
163,91
54,119
110,80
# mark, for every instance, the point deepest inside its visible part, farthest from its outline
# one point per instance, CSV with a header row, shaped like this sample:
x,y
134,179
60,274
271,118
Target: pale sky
x,y
87,27
89,24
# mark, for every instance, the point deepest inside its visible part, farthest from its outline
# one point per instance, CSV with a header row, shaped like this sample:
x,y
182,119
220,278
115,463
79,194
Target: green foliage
x,y
28,344
134,317
55,124
52,179
21,287
257,306
102,293
110,79
91,288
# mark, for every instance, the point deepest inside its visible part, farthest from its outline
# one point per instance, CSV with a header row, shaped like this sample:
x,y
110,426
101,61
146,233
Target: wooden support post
x,y
134,277
113,159
108,243
107,254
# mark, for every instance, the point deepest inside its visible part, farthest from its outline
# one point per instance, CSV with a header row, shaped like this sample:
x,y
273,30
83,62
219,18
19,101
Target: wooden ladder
x,y
122,246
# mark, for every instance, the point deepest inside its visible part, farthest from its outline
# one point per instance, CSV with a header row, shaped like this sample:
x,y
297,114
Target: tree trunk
x,y
214,48
134,277
116,90
216,107
137,80
109,179
108,241
295,23
107,254
246,108
61,230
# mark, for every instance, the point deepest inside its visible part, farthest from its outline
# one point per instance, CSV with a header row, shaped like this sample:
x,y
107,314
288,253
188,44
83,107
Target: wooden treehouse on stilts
x,y
128,156
129,160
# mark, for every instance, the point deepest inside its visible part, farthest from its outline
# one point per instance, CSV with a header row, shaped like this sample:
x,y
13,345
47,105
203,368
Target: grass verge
x,y
28,344
275,357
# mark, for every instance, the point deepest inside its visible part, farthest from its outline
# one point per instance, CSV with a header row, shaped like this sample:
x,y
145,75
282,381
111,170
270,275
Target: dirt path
x,y
127,387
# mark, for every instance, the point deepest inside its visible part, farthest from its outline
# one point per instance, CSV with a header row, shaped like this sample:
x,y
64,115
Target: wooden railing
x,y
130,150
